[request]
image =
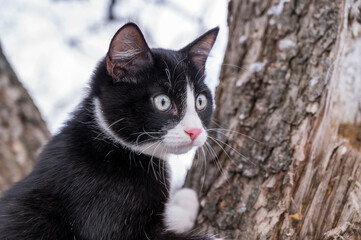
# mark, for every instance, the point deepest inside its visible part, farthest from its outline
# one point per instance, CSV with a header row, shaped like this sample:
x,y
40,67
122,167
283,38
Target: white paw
x,y
182,210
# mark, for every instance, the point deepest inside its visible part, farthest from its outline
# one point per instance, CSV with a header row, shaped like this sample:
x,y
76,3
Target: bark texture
x,y
291,80
22,130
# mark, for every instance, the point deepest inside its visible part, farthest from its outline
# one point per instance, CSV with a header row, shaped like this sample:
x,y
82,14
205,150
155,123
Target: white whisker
x,y
219,166
151,162
233,131
223,150
205,167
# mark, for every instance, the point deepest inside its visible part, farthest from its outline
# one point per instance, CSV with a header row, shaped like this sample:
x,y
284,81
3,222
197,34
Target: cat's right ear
x,y
128,53
199,49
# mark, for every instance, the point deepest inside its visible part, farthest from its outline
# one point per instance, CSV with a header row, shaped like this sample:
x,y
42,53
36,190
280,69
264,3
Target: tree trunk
x,y
22,130
291,82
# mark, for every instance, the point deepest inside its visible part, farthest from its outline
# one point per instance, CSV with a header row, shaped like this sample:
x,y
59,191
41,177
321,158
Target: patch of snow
x,y
272,22
242,39
253,68
242,209
285,44
241,116
277,9
238,84
203,202
312,107
313,81
343,150
267,137
260,158
257,66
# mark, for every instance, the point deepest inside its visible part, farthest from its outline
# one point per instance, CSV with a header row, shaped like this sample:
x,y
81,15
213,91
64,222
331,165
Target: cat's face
x,y
153,101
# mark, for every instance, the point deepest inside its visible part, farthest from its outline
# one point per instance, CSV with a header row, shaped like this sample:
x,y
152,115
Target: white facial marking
x,y
181,211
177,140
153,149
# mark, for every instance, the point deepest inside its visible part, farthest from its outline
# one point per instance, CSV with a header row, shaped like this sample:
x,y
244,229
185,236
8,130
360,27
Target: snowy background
x,y
54,45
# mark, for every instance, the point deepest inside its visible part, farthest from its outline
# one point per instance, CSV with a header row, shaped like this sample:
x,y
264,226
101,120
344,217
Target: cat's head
x,y
153,101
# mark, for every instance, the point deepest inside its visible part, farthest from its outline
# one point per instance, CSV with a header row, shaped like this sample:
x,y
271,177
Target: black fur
x,y
86,186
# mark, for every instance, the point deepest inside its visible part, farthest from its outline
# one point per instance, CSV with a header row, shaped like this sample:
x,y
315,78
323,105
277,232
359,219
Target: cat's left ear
x,y
198,50
128,53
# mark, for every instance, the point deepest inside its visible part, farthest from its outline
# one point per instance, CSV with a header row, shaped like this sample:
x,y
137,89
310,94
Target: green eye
x,y
162,102
201,102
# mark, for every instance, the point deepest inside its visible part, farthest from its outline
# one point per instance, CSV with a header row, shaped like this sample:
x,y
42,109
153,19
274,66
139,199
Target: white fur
x,y
182,210
177,140
153,149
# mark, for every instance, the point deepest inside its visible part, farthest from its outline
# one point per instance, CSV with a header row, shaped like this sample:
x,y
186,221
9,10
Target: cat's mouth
x,y
182,143
181,149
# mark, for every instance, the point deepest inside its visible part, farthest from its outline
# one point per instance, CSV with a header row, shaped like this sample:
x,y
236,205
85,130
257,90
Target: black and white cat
x,y
105,176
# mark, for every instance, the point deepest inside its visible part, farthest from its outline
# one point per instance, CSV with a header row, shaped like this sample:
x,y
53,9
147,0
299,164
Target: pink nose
x,y
193,133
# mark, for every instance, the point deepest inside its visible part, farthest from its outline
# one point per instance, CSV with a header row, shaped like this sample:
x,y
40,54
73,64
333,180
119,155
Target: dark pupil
x,y
200,101
163,102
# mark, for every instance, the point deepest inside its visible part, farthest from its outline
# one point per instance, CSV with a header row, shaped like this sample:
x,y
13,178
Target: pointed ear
x,y
128,52
199,49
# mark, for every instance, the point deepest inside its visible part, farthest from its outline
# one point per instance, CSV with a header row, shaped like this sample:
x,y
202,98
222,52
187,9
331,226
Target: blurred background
x,y
54,45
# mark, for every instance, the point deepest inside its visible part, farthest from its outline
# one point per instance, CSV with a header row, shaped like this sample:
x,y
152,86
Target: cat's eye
x,y
201,102
162,102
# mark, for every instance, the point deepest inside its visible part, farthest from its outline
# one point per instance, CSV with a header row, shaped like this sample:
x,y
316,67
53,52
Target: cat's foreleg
x,y
181,211
180,216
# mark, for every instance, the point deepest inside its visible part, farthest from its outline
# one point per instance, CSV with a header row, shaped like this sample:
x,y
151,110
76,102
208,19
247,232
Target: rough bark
x,y
22,130
291,79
